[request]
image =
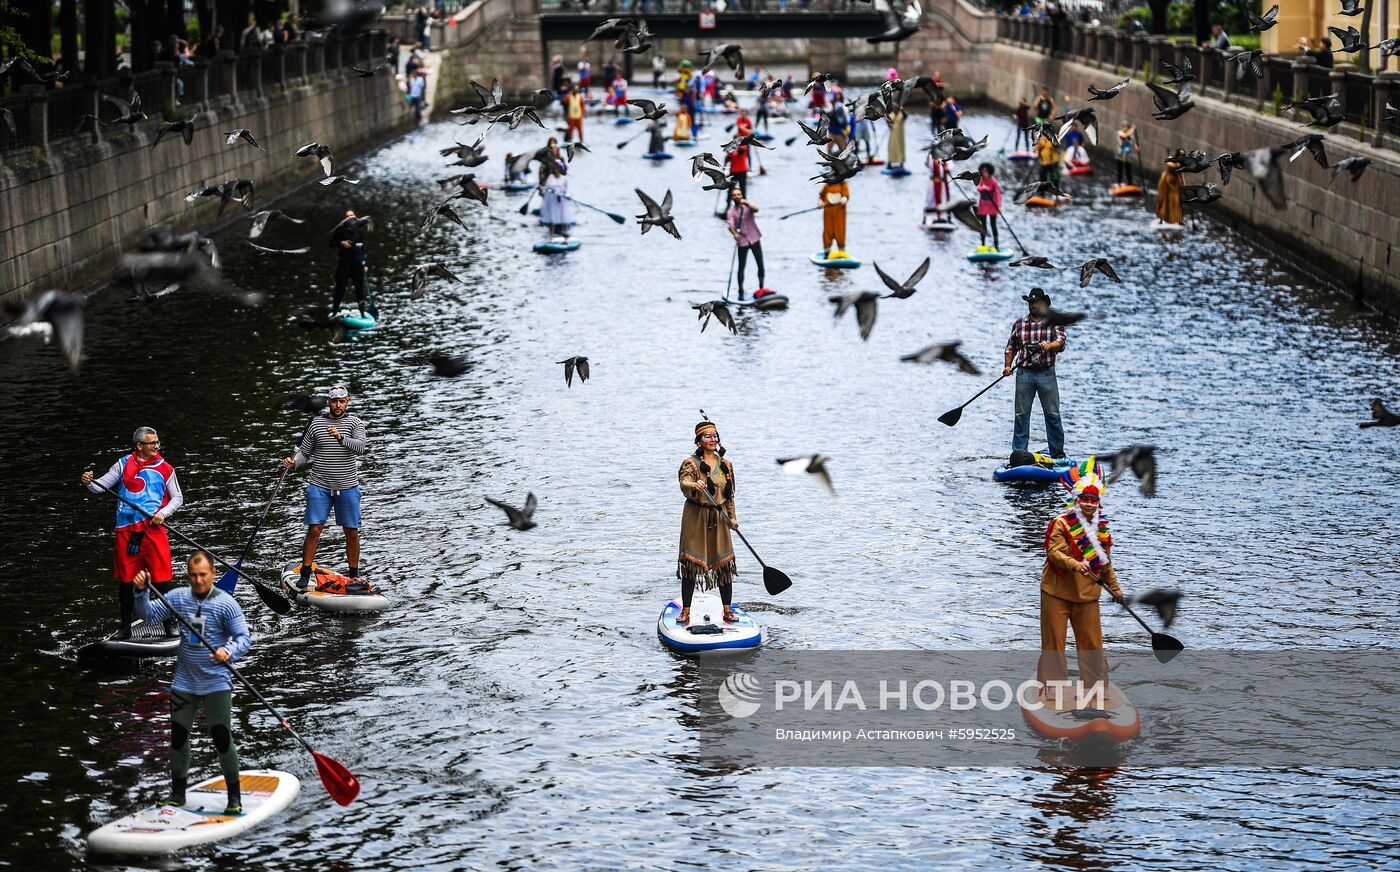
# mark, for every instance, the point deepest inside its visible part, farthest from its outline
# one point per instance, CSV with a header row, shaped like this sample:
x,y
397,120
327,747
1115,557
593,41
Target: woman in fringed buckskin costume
x,y
707,551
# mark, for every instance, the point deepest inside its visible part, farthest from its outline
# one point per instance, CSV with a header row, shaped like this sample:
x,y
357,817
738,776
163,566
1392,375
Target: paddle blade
x,y
272,599
951,417
339,782
775,580
1166,647
617,219
229,580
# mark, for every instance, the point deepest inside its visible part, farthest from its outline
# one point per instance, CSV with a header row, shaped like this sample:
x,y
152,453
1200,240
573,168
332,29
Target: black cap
x,y
1035,295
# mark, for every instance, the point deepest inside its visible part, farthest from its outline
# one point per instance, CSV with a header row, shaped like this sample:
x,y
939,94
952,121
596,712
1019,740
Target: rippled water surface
x,y
515,709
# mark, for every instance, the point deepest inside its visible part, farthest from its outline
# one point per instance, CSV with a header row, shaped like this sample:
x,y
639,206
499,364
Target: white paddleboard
x,y
201,820
330,602
707,633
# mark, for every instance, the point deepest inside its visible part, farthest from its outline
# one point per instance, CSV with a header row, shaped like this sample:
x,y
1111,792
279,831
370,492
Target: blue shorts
x,y
319,501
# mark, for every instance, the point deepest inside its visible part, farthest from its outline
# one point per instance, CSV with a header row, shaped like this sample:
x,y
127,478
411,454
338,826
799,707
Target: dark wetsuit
x,y
350,264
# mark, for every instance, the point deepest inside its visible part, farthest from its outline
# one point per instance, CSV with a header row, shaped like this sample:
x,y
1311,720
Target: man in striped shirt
x,y
201,681
1035,342
332,444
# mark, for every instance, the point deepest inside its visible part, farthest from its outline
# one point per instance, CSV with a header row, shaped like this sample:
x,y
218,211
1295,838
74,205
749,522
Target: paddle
x,y
1002,215
800,212
229,580
952,416
729,280
369,300
526,207
339,782
617,219
775,580
790,140
762,171
1164,647
630,139
271,598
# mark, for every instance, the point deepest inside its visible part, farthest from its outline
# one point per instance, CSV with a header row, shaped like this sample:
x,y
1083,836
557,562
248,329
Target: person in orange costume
x,y
834,196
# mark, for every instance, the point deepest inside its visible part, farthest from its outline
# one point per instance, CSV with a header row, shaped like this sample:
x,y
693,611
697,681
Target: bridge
x,y
514,39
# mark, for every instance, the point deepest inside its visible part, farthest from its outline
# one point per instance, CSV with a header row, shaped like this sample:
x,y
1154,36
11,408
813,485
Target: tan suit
x,y
1069,598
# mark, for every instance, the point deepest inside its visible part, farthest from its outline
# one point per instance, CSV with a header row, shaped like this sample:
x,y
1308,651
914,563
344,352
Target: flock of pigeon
x,y
168,260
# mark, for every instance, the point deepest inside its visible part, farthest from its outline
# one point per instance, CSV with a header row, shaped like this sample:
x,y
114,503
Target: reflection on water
x,y
515,708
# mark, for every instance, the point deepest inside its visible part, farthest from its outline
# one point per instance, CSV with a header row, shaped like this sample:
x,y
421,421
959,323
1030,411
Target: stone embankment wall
x,y
67,213
1334,229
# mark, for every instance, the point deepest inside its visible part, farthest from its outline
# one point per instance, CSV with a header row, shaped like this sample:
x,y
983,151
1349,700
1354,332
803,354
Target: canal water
x,y
515,709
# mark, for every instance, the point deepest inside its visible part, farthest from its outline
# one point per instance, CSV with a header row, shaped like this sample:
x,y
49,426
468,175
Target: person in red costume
x,y
149,481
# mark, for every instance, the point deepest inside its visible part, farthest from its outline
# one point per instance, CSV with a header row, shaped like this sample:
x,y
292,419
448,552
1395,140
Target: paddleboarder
x,y
1127,150
738,161
895,119
348,240
1036,342
573,112
201,681
1021,117
1169,190
333,443
682,131
989,204
149,481
937,190
707,550
744,229
833,197
556,209
1077,552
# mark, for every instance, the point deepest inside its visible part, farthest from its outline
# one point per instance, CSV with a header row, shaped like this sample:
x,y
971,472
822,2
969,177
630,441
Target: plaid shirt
x,y
1025,333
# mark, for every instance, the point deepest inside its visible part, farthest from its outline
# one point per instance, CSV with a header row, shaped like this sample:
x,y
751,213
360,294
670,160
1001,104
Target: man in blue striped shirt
x,y
332,444
200,677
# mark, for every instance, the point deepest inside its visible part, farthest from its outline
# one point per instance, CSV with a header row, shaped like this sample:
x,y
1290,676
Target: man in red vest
x,y
146,479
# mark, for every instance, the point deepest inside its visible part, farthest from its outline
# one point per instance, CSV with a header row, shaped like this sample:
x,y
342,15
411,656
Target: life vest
x,y
146,485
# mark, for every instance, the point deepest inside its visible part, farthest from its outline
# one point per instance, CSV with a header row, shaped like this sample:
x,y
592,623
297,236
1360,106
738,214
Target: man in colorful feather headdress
x,y
1077,564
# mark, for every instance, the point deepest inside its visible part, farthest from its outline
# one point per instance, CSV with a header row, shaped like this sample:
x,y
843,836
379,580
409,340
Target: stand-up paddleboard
x,y
1047,203
987,254
684,143
875,162
1117,721
1021,155
1125,191
763,137
327,601
895,171
840,261
516,187
1082,170
145,641
354,320
1046,470
201,820
658,155
940,226
1159,224
707,632
555,247
623,119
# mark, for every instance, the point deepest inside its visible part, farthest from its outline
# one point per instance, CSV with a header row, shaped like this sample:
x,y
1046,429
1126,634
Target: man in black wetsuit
x,y
348,239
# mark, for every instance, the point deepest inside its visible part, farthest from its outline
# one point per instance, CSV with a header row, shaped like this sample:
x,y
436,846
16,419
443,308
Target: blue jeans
x,y
1030,385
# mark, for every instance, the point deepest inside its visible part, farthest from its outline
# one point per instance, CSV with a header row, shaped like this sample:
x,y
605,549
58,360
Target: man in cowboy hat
x,y
1034,343
1077,565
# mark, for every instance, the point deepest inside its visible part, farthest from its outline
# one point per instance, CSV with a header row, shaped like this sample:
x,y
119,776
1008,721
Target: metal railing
x,y
1363,95
44,117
